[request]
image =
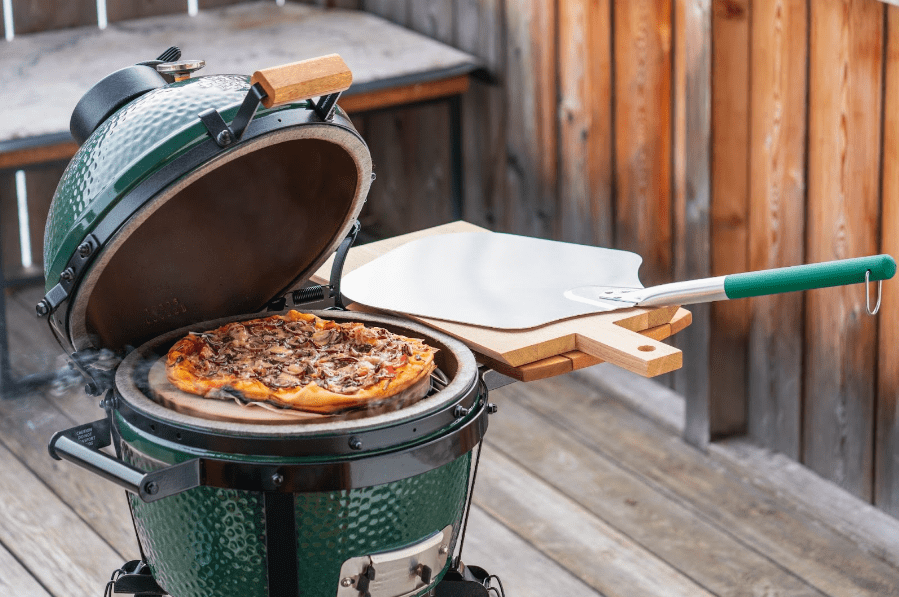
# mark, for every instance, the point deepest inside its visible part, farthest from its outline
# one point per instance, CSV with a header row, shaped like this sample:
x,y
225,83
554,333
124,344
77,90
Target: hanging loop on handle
x,y
868,294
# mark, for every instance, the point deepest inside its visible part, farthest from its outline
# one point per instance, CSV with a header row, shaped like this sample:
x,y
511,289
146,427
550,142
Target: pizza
x,y
301,361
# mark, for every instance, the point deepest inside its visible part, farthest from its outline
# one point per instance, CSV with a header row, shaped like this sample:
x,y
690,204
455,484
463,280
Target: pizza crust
x,y
402,377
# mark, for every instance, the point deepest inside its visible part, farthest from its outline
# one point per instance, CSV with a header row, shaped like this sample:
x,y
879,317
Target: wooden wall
x,y
710,136
814,178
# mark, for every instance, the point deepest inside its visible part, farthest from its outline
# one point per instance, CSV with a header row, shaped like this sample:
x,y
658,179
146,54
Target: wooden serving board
x,y
627,338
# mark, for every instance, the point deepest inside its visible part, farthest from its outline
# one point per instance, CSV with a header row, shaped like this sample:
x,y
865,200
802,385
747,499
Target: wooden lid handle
x,y
302,80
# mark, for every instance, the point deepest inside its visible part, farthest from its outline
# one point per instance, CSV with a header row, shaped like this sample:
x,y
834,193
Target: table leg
x,y
456,173
7,383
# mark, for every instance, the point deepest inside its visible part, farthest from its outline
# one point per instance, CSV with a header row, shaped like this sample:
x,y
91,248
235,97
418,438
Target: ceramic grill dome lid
x,y
198,198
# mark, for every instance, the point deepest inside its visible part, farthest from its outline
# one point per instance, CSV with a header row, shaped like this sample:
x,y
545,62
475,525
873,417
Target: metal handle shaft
x,y
99,463
81,445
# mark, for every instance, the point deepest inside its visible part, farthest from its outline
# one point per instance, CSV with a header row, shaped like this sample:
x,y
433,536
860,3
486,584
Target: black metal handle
x,y
339,259
81,446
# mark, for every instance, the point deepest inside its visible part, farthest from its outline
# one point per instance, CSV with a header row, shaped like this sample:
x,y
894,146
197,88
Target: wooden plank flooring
x,y
585,489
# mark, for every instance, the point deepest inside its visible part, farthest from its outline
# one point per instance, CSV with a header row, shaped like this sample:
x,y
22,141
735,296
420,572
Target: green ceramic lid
x,y
181,230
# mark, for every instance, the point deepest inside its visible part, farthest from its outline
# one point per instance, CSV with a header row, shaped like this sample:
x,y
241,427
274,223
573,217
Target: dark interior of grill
x,y
226,244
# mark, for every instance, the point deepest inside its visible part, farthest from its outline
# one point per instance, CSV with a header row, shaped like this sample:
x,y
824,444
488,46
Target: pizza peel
x,y
511,282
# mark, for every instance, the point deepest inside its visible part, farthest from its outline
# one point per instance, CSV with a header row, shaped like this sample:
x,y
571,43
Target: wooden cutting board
x,y
628,338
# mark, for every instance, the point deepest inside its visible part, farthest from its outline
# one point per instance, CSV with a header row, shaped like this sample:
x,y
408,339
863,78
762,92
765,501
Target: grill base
x,y
136,579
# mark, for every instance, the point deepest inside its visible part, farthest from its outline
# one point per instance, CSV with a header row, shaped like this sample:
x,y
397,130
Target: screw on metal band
x,y
277,479
492,408
460,411
67,275
85,249
355,443
216,127
224,138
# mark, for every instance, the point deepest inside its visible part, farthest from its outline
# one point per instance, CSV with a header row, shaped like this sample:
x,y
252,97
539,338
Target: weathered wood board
x,y
611,336
593,550
64,64
707,554
48,538
28,423
15,579
479,30
816,554
41,15
506,551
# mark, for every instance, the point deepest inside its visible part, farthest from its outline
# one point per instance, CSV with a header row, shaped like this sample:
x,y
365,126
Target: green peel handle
x,y
806,277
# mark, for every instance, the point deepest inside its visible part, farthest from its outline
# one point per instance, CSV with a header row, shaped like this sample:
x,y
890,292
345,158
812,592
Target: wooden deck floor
x,y
585,489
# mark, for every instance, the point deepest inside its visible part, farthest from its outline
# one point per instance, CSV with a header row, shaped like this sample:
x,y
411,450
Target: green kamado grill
x,y
196,201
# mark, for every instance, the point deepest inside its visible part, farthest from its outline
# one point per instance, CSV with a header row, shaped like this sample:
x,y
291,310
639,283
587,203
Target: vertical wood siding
x,y
479,30
410,146
642,111
531,134
777,152
586,212
843,221
886,456
692,205
712,137
729,326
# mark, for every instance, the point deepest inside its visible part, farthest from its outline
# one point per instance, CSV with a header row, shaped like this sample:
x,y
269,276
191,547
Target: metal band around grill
x,y
81,445
338,444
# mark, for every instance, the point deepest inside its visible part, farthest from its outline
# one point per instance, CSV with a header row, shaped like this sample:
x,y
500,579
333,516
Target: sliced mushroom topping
x,y
340,357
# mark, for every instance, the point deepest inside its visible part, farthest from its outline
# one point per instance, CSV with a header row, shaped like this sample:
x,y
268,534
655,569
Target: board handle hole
x,y
646,348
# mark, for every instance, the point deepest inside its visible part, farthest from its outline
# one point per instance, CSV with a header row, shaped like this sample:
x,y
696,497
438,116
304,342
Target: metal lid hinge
x,y
315,293
325,106
73,271
225,135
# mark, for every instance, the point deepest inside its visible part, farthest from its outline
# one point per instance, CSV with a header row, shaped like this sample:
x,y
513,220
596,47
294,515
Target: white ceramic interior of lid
x,y
226,238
